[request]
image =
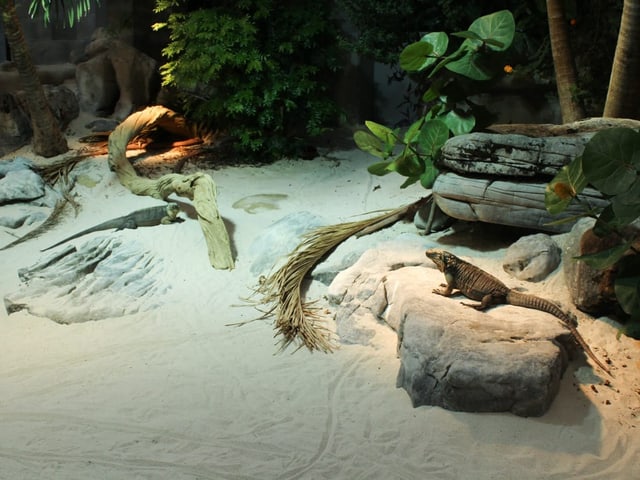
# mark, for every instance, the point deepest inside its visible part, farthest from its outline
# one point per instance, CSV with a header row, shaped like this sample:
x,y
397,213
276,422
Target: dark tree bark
x,y
48,139
623,96
563,63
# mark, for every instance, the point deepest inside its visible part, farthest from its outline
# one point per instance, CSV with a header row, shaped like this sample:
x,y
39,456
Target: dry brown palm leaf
x,y
299,321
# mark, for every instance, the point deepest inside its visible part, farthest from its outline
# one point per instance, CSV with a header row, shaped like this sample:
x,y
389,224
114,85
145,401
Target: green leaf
x,y
409,181
626,206
429,175
384,133
468,34
408,164
470,65
496,29
412,132
416,56
370,144
458,124
380,168
433,136
627,286
611,160
606,258
564,187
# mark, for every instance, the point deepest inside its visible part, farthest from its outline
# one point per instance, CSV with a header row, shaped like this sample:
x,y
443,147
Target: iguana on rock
x,y
162,214
477,284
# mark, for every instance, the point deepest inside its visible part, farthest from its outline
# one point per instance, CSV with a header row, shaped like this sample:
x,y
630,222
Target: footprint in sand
x,y
260,202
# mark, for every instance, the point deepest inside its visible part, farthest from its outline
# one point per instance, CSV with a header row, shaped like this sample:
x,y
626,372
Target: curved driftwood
x,y
505,202
198,187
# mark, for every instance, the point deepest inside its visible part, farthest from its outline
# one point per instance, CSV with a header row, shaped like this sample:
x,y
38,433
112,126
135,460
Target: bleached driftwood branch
x,y
198,187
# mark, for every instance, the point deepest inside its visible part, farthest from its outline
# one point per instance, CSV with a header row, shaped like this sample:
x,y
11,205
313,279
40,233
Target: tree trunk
x,y
563,63
48,139
623,96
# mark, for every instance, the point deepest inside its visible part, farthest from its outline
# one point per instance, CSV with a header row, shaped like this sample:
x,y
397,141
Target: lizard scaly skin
x,y
162,214
477,284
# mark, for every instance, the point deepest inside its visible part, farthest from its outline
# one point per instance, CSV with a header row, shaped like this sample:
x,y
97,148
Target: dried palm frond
x,y
295,319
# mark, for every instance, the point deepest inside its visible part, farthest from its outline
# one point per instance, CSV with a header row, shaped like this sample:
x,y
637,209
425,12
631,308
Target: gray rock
x,y
104,278
506,359
102,125
63,103
273,245
15,129
117,79
97,86
18,215
21,185
532,258
593,290
16,163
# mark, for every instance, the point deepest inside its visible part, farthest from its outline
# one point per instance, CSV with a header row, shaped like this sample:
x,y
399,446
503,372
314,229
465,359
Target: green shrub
x,y
256,69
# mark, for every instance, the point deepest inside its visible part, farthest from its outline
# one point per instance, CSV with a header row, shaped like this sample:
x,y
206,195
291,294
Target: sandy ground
x,y
176,393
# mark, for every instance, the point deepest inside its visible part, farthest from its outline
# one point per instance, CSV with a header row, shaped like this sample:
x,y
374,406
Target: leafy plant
x,y
256,69
610,163
449,111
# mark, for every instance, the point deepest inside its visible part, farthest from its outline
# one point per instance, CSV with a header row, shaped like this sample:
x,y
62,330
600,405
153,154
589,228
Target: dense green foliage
x,y
259,70
449,109
610,163
385,27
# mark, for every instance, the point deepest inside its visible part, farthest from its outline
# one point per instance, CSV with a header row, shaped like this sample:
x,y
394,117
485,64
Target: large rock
x,y
532,257
15,129
97,86
105,277
592,290
135,73
506,359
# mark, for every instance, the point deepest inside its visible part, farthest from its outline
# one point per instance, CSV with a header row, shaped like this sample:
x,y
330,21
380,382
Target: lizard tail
x,y
544,305
567,318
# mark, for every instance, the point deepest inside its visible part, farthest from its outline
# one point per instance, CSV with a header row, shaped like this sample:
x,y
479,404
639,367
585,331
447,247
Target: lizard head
x,y
173,209
440,257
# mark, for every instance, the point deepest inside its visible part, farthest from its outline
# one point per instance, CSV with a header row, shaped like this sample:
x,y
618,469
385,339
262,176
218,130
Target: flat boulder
x,y
105,277
508,359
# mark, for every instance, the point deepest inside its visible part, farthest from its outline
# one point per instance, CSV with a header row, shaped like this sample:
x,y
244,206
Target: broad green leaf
x,y
470,64
370,144
499,27
611,160
429,175
413,131
458,124
605,258
380,168
626,206
431,94
468,34
409,181
408,164
432,137
416,56
424,53
564,187
627,286
384,133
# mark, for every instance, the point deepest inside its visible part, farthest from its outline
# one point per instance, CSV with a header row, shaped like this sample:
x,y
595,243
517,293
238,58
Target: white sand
x,y
177,394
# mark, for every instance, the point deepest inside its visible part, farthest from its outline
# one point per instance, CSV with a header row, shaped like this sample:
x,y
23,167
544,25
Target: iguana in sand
x,y
477,284
162,214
